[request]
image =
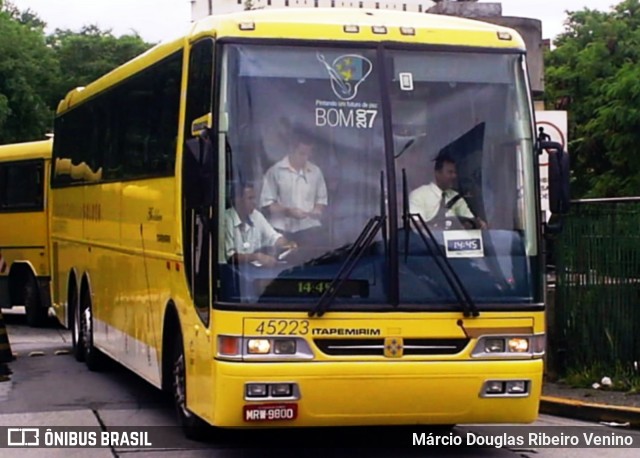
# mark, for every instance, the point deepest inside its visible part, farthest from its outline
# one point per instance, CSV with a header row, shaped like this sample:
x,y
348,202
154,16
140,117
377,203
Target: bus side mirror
x,y
559,169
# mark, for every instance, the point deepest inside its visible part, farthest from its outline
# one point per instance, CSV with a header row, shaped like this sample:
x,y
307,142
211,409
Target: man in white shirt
x,y
247,231
438,200
294,191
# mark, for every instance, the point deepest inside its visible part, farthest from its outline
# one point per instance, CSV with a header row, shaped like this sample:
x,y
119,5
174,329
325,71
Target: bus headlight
x,y
271,391
518,344
494,387
255,348
284,346
497,347
505,389
256,390
517,387
258,346
494,345
281,390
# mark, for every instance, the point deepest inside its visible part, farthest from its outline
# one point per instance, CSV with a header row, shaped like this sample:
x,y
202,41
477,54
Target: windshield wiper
x,y
359,247
464,298
366,236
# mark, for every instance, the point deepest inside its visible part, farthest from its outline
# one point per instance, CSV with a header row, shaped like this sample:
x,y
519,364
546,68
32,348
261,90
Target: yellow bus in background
x,y
379,319
24,228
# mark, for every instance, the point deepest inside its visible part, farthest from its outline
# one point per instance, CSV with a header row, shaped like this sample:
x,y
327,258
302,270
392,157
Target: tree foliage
x,y
91,53
594,73
27,69
37,70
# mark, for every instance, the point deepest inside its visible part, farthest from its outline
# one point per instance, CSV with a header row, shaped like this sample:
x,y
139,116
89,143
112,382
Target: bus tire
x,y
93,358
192,426
77,339
36,313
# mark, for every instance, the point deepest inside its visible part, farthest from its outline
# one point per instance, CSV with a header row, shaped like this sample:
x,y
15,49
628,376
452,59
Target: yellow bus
x,y
172,257
24,235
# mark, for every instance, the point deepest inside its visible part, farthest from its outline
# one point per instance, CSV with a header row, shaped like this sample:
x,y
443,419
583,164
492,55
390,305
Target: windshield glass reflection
x,y
302,167
303,171
463,143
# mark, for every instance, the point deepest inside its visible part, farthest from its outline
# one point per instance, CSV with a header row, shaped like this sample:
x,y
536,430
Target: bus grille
x,y
375,347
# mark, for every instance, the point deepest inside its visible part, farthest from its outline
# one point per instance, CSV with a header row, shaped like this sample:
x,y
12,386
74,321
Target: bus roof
x,y
329,24
318,24
25,151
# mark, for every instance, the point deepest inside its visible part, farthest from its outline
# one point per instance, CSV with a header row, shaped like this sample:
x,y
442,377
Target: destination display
x,y
309,287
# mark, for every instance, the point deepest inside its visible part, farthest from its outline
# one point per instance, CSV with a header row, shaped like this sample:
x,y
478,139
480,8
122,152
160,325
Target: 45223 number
x,y
283,327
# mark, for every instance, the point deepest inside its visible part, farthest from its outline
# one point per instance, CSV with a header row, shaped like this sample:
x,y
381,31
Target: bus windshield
x,y
313,140
463,159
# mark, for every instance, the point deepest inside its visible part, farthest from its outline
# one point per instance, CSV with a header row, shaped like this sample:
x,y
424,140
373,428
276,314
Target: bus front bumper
x,y
379,393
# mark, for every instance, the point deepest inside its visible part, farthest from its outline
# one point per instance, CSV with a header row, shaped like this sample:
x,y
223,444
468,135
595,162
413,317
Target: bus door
x,y
199,185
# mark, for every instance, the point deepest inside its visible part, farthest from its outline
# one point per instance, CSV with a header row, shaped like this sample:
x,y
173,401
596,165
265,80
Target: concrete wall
x,y
469,9
530,29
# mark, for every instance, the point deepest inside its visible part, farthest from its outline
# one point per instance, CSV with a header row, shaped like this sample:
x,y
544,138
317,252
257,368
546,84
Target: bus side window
x,y
21,186
200,85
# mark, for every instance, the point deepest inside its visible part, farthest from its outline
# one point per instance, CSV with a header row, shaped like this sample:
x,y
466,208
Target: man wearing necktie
x,y
247,231
438,201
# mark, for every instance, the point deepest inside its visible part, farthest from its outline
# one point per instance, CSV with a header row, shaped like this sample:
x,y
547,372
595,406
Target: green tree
x,y
28,17
85,56
594,73
36,70
27,70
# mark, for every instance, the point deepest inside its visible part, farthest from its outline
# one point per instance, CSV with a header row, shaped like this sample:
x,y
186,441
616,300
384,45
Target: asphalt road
x,y
49,388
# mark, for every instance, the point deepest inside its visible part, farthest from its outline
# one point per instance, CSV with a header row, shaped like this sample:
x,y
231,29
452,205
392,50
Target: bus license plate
x,y
271,412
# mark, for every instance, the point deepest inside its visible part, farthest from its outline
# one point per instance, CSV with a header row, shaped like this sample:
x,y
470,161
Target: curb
x,y
589,411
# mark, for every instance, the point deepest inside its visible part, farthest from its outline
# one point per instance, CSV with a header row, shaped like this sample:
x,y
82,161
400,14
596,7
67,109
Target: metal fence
x,y
595,320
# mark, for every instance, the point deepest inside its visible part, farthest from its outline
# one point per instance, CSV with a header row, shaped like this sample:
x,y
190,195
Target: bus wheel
x,y
77,338
36,314
92,356
192,426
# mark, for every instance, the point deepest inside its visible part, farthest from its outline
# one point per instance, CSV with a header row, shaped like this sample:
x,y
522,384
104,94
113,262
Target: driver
x,y
438,200
247,233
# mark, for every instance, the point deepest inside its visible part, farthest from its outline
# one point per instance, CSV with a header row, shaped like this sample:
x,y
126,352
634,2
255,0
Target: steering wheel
x,y
468,223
